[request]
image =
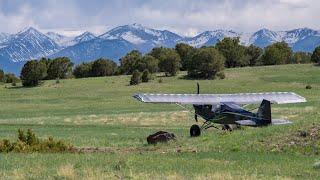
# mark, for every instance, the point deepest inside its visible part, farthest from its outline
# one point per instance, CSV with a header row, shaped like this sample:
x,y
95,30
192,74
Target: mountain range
x,y
30,43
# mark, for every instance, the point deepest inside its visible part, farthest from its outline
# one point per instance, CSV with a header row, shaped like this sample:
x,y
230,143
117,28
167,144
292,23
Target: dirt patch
x,y
306,139
134,150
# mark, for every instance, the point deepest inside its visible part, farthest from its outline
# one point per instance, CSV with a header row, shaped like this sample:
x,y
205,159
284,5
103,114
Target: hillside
x,y
100,112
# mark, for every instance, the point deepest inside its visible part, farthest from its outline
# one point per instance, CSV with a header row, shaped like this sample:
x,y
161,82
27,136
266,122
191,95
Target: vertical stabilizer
x,y
264,111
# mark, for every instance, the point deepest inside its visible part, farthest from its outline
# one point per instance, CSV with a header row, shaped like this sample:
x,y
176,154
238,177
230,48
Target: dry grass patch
x,y
66,171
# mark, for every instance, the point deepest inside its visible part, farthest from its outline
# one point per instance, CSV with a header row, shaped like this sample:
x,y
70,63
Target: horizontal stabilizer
x,y
280,122
246,123
240,99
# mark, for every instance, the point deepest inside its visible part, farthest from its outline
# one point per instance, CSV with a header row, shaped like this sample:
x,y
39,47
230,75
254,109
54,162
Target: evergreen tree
x,y
316,55
32,72
145,76
82,70
253,54
135,78
277,53
206,63
103,67
185,52
1,75
233,52
59,68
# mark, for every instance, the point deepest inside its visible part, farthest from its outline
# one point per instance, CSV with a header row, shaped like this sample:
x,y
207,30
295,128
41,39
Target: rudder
x,y
264,111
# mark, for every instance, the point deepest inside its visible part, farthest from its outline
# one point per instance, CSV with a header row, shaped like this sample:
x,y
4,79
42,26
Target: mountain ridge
x,y
115,43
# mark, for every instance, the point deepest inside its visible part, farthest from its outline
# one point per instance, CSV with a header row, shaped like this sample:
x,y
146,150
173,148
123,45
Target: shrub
x,y
59,68
169,60
128,63
221,75
277,53
82,70
32,72
308,87
301,57
1,75
29,142
315,57
185,52
135,78
233,52
10,78
103,67
206,63
146,76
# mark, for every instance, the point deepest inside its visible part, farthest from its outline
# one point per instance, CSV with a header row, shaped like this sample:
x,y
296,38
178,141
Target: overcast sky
x,y
186,17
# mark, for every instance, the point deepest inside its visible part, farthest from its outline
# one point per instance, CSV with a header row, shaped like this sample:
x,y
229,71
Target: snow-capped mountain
x,y
66,41
86,36
32,44
96,48
61,40
265,37
4,37
209,37
28,44
144,38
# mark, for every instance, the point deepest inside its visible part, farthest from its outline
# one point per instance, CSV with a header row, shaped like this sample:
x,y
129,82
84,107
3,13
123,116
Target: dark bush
x,y
206,64
128,63
233,52
308,87
10,78
32,73
301,57
1,75
315,57
277,53
146,76
103,67
59,68
135,78
185,52
221,75
82,70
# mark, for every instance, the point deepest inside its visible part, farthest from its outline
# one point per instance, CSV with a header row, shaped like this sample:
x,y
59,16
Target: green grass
x,y
100,112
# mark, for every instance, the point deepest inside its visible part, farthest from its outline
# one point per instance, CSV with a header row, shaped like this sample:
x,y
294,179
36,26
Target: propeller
x,y
198,92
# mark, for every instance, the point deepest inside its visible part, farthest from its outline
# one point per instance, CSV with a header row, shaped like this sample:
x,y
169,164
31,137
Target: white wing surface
x,y
240,99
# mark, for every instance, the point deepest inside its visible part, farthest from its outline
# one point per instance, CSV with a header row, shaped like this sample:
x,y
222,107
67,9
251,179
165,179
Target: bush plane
x,y
227,109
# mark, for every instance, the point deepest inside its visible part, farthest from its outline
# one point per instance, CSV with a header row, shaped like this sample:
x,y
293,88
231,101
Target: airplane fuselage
x,y
227,113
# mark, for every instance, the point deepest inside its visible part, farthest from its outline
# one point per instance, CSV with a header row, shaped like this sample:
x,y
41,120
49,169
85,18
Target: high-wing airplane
x,y
227,109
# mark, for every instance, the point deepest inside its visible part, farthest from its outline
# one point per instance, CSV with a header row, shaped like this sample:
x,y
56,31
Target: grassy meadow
x,y
100,112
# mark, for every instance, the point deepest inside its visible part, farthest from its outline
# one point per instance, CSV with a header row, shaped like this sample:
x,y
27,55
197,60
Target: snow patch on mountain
x,y
140,35
28,44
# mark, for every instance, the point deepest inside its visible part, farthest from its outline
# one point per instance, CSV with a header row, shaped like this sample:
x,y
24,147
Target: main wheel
x,y
195,131
226,127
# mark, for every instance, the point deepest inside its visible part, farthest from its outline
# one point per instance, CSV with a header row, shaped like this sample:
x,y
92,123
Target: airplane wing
x,y
240,98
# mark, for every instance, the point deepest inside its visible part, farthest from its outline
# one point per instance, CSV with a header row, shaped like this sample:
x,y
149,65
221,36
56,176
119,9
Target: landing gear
x,y
226,127
195,131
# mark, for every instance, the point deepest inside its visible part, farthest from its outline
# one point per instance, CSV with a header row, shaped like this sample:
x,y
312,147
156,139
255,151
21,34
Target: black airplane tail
x,y
264,111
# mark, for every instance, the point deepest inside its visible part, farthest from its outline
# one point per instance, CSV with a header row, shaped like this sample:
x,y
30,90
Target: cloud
x,y
185,17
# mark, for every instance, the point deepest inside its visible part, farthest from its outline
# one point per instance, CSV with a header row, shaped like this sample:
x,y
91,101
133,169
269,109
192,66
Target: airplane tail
x,y
264,111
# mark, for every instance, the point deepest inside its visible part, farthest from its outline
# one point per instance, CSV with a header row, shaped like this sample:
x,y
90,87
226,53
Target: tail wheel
x,y
195,131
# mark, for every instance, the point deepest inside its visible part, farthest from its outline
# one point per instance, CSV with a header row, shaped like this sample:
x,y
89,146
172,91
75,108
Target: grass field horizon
x,y
100,112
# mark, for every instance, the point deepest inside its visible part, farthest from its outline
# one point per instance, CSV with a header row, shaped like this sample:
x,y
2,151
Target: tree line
x,y
207,62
